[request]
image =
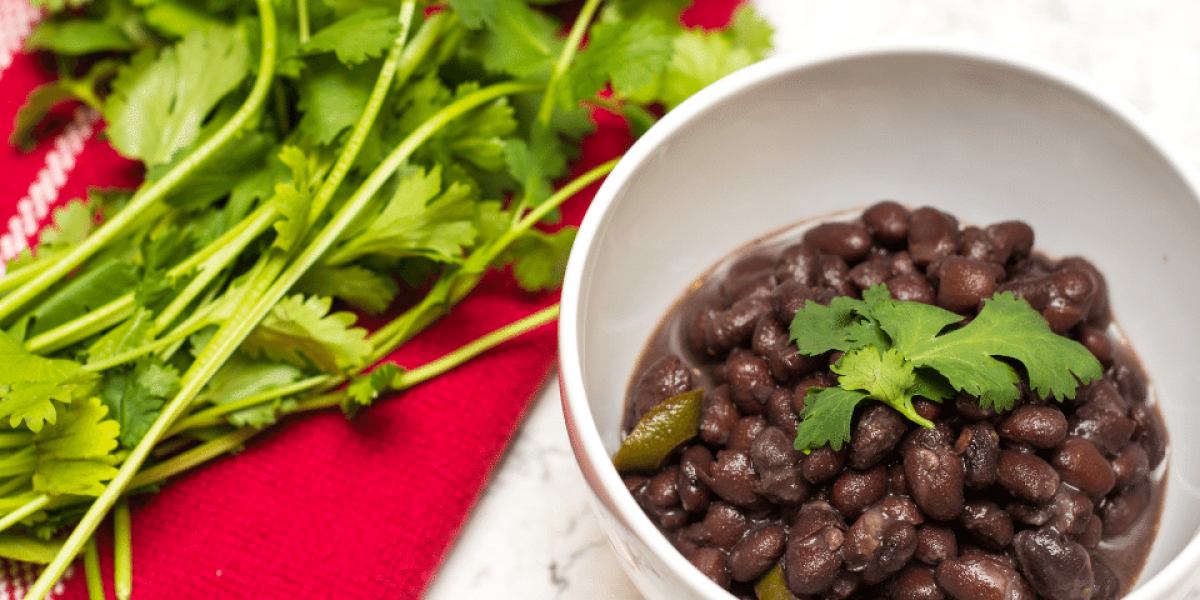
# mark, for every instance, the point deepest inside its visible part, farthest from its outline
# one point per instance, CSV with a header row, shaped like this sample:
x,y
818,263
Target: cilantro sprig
x,y
895,350
306,162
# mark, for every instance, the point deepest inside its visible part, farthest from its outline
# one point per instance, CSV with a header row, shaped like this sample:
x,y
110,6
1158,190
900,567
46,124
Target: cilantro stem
x,y
366,121
570,48
91,570
21,461
151,194
15,439
13,484
215,415
28,508
193,457
122,550
91,519
304,29
449,290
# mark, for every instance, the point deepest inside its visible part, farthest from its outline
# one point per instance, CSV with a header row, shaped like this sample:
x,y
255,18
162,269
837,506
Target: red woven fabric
x,y
322,506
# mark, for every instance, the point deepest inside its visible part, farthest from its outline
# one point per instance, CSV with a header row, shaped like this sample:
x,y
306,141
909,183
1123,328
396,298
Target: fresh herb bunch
x,y
297,155
895,350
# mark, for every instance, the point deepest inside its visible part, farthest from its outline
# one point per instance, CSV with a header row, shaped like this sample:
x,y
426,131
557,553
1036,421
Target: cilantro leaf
x,y
1007,327
32,384
79,37
542,260
827,417
363,34
303,332
134,397
159,102
629,54
420,219
244,377
365,389
75,453
881,373
897,350
332,96
362,288
512,37
818,328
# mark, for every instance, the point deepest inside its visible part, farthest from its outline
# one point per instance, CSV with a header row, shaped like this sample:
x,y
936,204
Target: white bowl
x,y
982,134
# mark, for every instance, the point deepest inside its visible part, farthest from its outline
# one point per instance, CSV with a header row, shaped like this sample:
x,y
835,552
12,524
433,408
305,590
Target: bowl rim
x,y
585,437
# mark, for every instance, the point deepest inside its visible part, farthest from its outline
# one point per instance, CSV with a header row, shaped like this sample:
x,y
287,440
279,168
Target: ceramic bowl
x,y
975,131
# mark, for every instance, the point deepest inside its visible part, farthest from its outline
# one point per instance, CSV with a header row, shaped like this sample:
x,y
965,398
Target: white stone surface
x,y
532,534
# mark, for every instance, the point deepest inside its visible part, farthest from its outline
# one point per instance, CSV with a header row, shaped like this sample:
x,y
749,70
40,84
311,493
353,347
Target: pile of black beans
x,y
1052,499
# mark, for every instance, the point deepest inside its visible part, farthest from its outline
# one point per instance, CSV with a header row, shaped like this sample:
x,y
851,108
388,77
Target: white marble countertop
x,y
533,535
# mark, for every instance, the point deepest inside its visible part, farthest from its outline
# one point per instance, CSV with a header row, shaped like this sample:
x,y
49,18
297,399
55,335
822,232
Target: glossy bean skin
x,y
1056,566
982,577
757,551
935,479
1027,477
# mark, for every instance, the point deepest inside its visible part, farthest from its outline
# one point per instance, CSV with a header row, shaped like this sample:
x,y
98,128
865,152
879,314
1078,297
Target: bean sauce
x,y
1054,500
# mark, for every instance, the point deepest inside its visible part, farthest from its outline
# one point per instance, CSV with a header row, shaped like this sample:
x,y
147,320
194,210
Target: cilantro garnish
x,y
300,157
897,350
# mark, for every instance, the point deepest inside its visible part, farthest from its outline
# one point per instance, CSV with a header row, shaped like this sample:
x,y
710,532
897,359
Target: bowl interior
x,y
976,134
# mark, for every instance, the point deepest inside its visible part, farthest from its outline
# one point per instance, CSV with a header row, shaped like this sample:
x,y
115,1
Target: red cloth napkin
x,y
321,506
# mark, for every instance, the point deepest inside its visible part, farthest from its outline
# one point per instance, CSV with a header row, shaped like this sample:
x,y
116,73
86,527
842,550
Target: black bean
x,y
1098,315
1080,463
849,241
935,543
732,477
963,283
914,582
979,446
834,274
798,264
750,381
1070,512
732,327
931,234
887,221
935,479
1013,239
1109,430
718,415
853,491
1098,343
1027,477
776,461
881,541
780,412
813,555
1130,467
748,276
876,432
872,271
712,563
723,525
1038,426
990,524
911,287
757,551
665,378
662,489
1055,566
745,431
786,363
693,493
1150,433
768,333
982,577
1034,290
976,244
1120,511
968,407
822,464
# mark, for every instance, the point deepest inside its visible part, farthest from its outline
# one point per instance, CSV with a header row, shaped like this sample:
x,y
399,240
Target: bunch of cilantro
x,y
300,157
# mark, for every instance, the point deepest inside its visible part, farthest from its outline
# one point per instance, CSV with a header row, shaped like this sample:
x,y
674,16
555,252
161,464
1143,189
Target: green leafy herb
x,y
301,159
897,350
